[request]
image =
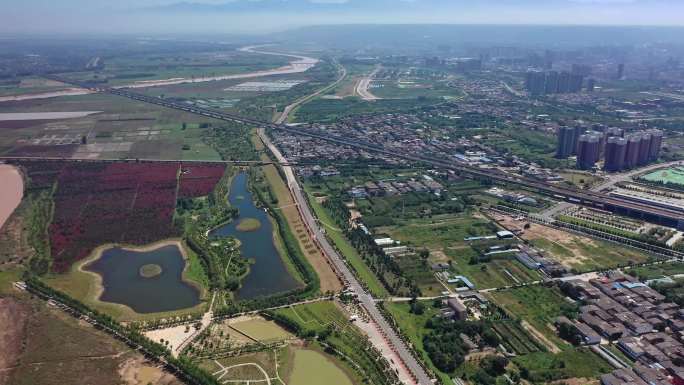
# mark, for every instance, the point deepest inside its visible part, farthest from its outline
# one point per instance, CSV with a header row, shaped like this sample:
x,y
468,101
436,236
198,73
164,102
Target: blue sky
x,y
255,16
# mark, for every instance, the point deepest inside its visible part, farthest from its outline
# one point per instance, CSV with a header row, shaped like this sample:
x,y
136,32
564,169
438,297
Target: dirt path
x,y
540,337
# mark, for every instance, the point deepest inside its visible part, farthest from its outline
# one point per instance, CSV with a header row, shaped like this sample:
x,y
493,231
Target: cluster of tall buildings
x,y
620,150
553,82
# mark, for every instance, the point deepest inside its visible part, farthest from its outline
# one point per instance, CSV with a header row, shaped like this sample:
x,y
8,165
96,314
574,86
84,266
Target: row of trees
x,y
444,344
376,259
183,367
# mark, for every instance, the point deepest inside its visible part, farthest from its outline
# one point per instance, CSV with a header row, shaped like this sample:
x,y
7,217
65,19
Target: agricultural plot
x,y
444,237
197,180
32,85
658,271
265,86
539,306
121,129
323,110
572,363
575,252
515,338
99,203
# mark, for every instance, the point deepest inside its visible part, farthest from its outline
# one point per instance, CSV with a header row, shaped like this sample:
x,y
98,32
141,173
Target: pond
x,y
148,281
268,274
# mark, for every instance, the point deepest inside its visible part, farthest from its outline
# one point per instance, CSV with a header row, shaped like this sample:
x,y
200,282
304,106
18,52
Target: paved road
x,y
363,85
286,112
627,176
367,301
611,180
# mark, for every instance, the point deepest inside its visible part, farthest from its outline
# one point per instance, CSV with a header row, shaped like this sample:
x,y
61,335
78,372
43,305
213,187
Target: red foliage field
x,y
198,180
118,202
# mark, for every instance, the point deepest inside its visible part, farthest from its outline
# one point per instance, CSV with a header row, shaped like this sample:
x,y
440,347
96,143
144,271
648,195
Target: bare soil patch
x,y
13,319
14,245
11,191
55,348
138,371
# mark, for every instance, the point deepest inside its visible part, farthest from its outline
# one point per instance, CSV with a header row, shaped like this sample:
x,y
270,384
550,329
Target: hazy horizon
x,y
168,17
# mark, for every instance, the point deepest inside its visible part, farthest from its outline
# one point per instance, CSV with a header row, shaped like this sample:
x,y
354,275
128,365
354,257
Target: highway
x,y
367,301
662,216
363,85
596,199
613,179
286,112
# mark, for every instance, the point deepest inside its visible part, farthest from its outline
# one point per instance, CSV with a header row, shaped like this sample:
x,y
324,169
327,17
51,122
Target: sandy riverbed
x,y
11,191
14,116
46,95
301,64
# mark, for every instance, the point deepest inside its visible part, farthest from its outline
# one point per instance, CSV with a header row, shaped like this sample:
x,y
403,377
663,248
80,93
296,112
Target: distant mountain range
x,y
316,6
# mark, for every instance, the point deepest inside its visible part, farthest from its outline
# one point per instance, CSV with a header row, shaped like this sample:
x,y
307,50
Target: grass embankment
x,y
284,207
348,251
86,286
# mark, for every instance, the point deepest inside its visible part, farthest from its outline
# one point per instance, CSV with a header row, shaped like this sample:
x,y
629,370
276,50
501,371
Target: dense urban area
x,y
311,207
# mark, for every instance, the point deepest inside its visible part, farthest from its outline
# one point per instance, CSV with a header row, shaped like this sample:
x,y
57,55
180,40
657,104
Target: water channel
x,y
268,274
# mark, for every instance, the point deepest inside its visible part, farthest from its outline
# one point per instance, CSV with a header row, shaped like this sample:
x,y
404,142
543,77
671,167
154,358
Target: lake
x,y
268,275
123,282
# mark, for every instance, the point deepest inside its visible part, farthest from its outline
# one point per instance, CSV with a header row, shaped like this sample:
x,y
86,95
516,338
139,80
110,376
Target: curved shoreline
x,y
96,286
299,65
